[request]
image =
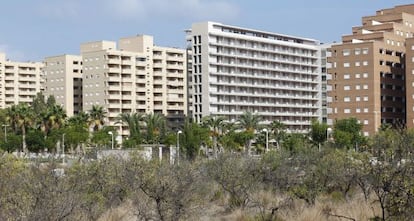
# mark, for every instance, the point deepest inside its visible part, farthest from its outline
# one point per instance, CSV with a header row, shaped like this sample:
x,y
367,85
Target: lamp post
x,y
267,139
178,146
112,139
63,148
5,132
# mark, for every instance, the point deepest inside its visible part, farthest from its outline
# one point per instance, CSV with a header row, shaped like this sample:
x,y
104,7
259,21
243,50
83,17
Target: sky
x,y
34,29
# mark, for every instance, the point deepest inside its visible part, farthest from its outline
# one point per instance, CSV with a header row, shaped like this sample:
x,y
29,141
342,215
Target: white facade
x,y
19,81
235,70
64,81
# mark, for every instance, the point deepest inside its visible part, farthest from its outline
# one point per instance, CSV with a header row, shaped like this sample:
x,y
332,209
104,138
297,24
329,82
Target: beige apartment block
x,y
19,81
137,77
235,70
367,70
64,81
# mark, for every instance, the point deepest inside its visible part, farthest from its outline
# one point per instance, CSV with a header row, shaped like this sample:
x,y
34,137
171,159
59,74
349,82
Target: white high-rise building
x,y
64,81
235,70
19,81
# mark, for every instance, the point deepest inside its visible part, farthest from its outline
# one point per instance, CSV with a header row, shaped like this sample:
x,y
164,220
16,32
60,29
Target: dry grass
x,y
324,209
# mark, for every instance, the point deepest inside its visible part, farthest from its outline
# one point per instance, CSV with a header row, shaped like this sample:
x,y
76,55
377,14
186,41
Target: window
x,y
365,51
357,87
365,63
346,76
365,98
346,52
357,51
358,110
357,64
357,98
347,99
347,88
366,133
365,75
357,75
365,122
365,86
347,111
346,65
365,110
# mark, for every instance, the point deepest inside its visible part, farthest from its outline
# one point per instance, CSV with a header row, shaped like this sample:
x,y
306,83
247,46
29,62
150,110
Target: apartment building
x,y
367,70
63,80
19,81
236,69
136,76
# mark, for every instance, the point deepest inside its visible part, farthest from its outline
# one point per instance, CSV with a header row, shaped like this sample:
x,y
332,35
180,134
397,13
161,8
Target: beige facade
x,y
135,77
19,81
367,70
64,81
235,70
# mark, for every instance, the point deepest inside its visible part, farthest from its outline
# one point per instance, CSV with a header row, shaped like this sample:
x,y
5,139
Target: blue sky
x,y
32,30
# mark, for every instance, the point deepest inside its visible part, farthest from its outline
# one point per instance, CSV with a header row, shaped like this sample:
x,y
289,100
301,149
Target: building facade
x,y
136,77
19,81
237,70
367,70
63,80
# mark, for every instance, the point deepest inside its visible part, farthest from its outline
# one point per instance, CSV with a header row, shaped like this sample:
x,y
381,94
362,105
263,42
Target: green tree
x,y
97,117
347,133
215,125
249,122
21,117
277,131
35,141
134,122
318,133
79,119
155,127
192,138
101,138
39,103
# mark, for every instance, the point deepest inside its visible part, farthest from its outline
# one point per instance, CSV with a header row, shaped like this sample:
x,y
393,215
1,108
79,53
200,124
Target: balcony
x,y
114,70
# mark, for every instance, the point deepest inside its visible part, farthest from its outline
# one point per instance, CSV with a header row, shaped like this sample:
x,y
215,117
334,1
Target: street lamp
x,y
267,139
112,136
5,132
63,148
178,146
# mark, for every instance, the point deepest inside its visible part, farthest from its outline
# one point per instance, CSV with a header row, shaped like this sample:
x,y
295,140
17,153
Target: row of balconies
x,y
286,77
271,60
295,87
270,96
308,71
275,51
269,104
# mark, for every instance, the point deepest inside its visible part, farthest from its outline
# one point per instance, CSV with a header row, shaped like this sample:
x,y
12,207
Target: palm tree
x,y
56,116
249,122
277,130
96,117
155,126
216,126
21,117
79,119
133,121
